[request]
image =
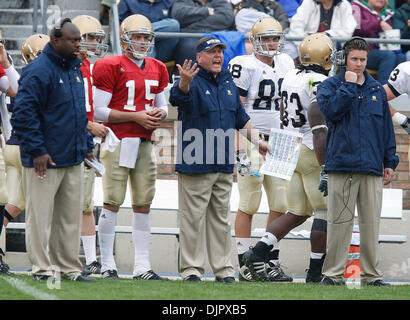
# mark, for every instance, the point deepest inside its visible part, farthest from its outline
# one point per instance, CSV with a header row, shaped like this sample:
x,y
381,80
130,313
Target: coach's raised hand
x,y
187,73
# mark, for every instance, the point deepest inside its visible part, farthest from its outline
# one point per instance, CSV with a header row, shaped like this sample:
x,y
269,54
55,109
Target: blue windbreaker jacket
x,y
49,113
211,104
360,134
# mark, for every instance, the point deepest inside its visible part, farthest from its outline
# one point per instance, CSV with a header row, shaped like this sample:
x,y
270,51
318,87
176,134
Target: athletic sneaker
x,y
256,265
326,281
312,278
93,267
379,283
192,278
149,275
4,267
276,274
42,277
110,274
244,274
314,273
229,280
81,278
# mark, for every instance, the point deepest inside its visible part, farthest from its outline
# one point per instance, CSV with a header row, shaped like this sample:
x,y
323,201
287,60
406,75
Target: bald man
x,y
50,121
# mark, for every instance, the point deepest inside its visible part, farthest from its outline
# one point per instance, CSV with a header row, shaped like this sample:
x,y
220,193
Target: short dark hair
x,y
356,43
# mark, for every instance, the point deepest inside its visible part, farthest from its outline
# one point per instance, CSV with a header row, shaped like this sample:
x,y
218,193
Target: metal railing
x,y
335,39
43,5
115,28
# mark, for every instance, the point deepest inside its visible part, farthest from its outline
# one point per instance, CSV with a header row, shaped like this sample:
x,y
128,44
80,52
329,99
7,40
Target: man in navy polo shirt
x,y
209,112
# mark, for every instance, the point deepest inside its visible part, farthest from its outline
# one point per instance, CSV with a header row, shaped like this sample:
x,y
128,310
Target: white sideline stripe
x,y
26,289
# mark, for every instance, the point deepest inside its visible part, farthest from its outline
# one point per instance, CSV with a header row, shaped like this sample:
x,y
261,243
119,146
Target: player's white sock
x,y
106,236
269,239
314,255
276,246
243,244
89,248
141,234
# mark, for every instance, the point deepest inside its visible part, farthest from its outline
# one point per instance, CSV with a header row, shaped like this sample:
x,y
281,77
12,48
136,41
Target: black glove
x,y
406,125
323,181
244,163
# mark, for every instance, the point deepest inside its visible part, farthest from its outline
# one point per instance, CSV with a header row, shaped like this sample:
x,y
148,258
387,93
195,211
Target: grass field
x,y
22,287
206,300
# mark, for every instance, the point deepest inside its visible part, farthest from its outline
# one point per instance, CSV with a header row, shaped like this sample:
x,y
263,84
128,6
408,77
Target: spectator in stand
x,y
199,16
105,11
290,6
158,12
372,18
393,4
334,17
401,20
248,12
397,3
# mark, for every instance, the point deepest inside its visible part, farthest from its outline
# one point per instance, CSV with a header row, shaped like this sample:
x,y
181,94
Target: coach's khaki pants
x,y
53,220
204,222
365,190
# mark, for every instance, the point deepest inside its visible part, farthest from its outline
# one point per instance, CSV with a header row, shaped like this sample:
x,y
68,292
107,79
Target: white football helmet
x,y
267,28
137,24
92,36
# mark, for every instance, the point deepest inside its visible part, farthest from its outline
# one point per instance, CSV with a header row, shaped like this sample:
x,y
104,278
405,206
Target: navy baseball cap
x,y
209,43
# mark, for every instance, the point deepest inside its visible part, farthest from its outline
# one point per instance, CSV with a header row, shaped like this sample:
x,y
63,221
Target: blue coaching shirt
x,y
207,118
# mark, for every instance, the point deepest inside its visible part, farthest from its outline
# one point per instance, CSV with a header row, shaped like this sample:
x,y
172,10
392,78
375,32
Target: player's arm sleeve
x,y
4,83
161,102
241,76
33,92
396,86
397,81
101,100
13,77
104,80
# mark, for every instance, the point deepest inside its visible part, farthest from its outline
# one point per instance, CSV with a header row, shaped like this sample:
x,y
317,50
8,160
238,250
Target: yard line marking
x,y
25,288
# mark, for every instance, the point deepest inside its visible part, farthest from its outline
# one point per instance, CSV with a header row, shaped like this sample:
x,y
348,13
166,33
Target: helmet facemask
x,y
139,49
264,48
94,48
32,54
